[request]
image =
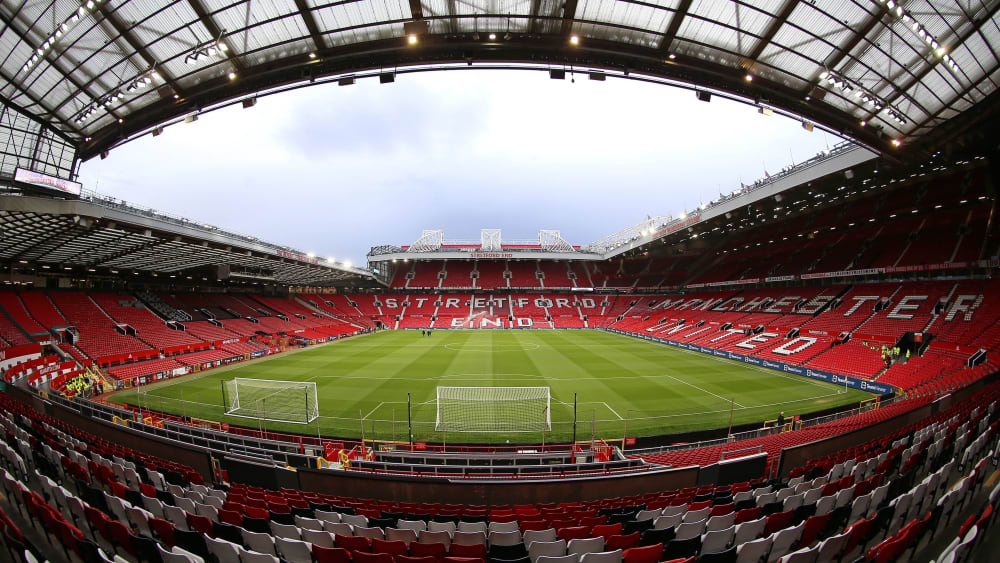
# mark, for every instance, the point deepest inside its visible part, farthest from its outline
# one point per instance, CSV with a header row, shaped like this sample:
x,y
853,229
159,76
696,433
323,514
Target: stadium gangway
x,y
754,449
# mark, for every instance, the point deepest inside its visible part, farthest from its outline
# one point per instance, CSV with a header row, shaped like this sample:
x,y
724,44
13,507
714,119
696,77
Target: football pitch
x,y
623,386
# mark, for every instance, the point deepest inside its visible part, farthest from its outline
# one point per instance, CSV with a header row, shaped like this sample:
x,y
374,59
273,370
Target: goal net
x,y
493,409
270,399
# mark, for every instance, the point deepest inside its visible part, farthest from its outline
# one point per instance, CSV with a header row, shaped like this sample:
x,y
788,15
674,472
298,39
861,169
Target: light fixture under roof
x,y
215,48
58,32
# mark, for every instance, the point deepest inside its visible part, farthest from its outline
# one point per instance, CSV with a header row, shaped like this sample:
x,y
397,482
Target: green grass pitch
x,y
624,386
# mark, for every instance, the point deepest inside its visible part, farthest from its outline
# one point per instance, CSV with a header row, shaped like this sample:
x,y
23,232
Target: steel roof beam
x,y
536,5
31,116
772,30
129,37
962,94
842,53
68,76
569,14
206,20
416,10
310,22
675,25
934,63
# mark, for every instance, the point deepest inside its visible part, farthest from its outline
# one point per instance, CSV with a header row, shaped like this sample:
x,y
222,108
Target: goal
x,y
493,409
271,399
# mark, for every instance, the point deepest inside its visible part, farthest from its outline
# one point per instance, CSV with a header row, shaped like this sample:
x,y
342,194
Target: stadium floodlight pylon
x,y
493,409
271,399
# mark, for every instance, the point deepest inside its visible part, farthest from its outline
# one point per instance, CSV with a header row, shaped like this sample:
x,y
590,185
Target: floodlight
x,y
347,263
749,77
412,39
574,39
232,75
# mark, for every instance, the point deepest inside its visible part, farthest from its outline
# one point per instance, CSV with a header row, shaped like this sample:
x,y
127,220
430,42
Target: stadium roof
x,y
96,235
94,73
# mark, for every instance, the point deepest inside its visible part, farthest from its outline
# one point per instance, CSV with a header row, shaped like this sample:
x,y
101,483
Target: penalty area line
x,y
607,406
705,391
371,412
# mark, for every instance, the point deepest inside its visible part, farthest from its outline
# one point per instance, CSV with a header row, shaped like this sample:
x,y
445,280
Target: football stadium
x,y
800,370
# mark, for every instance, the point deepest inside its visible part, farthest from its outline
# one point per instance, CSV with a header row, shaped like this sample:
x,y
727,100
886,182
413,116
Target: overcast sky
x,y
337,170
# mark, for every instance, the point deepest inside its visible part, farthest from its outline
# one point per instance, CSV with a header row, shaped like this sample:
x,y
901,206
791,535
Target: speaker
x,y
703,96
556,74
387,77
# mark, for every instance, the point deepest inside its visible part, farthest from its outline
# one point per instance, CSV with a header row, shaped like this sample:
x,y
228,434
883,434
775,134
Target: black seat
x,y
191,541
227,532
507,552
395,516
524,559
474,518
654,536
303,512
283,518
637,526
681,549
418,516
382,522
621,517
258,525
146,551
727,556
89,550
772,508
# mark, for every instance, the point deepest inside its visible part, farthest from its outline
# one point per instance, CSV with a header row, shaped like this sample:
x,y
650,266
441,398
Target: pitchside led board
x,y
50,182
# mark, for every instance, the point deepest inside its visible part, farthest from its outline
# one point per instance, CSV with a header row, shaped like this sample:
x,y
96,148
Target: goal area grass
x,y
623,386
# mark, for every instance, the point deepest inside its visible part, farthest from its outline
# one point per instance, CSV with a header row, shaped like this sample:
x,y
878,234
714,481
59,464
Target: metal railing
x,y
759,432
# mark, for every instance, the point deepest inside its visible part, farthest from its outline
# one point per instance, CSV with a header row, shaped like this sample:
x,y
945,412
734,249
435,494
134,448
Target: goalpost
x,y
271,399
493,409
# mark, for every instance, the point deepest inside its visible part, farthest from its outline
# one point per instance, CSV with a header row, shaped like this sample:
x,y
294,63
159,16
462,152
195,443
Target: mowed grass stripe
x,y
632,377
